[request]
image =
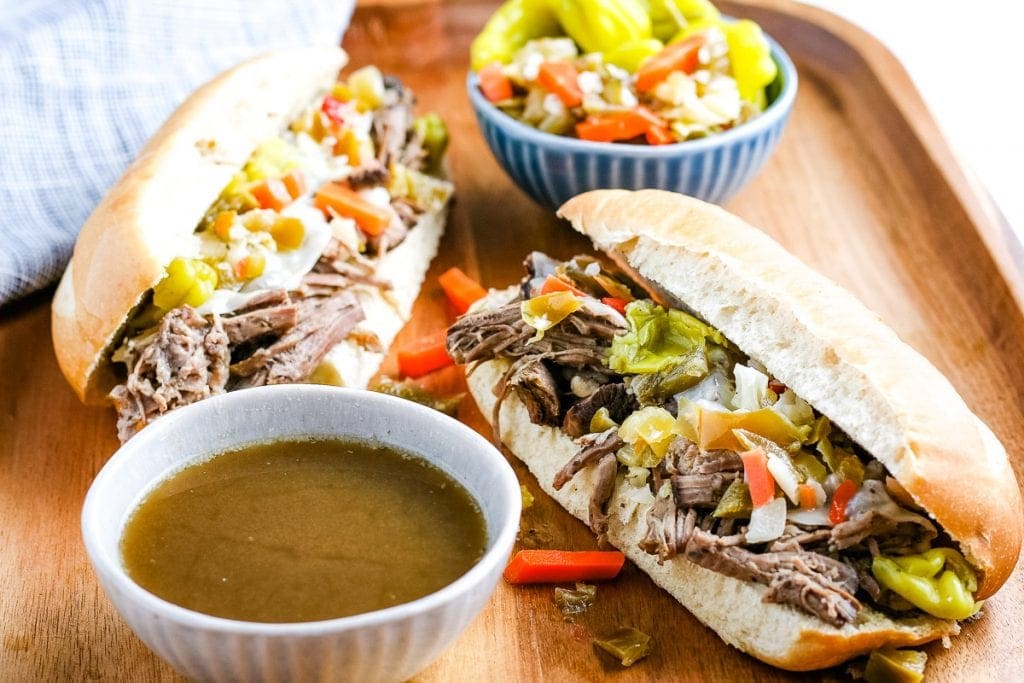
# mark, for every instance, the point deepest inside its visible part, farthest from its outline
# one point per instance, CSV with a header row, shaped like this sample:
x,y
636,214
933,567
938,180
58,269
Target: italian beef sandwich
x,y
277,228
746,431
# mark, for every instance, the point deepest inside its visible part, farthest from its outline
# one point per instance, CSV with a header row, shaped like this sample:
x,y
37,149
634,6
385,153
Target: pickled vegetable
x,y
631,55
432,129
509,28
547,310
751,57
650,427
572,602
288,232
657,338
367,87
938,581
602,420
628,645
188,281
525,494
654,388
668,17
809,466
735,502
222,224
410,391
599,25
845,464
716,429
889,665
250,266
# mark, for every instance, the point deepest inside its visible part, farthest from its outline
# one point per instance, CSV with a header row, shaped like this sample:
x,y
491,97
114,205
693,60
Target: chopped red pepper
x,y
336,110
426,356
460,289
682,56
840,499
271,194
759,479
556,566
623,125
553,283
616,303
494,84
560,78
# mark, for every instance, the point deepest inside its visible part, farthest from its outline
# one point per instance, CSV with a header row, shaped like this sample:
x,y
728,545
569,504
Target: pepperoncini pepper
x,y
603,25
431,128
631,55
668,17
938,581
188,281
509,28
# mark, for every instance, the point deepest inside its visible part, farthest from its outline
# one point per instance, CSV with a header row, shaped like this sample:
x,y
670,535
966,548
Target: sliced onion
x,y
814,517
785,476
767,522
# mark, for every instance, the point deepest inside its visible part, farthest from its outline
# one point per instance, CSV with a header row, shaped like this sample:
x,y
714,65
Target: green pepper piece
x,y
627,645
735,502
809,466
434,133
603,25
945,596
895,666
514,24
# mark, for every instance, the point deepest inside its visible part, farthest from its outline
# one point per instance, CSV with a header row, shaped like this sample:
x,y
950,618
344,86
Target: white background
x,y
967,59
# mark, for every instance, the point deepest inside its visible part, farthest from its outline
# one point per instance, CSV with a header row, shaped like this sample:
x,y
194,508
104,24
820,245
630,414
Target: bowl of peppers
x,y
576,95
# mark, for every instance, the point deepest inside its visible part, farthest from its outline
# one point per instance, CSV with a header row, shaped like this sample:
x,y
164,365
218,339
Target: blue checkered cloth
x,y
84,83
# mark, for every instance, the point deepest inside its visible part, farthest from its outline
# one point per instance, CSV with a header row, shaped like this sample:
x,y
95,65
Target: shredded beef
x,y
580,341
874,515
185,361
614,397
536,388
323,323
593,447
808,581
668,529
373,172
271,314
391,124
604,486
700,490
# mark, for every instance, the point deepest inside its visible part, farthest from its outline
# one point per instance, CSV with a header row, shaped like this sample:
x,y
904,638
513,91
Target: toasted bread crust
x,y
777,634
815,336
148,217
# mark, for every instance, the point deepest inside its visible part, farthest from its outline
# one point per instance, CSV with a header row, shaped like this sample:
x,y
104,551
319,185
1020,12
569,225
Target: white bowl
x,y
387,645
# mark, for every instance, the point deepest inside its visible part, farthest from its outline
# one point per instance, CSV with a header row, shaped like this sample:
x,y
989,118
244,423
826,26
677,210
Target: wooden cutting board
x,y
863,187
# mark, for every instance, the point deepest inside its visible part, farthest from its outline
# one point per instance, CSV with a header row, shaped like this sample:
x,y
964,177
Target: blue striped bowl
x,y
553,168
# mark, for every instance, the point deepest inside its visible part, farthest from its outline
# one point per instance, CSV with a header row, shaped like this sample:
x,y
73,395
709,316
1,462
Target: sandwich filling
x,y
733,470
279,264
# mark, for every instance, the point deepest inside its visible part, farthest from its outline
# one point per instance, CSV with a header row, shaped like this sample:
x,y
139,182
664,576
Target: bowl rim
x,y
777,110
108,564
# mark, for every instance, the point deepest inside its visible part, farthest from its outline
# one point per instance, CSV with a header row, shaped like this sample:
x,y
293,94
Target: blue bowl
x,y
553,168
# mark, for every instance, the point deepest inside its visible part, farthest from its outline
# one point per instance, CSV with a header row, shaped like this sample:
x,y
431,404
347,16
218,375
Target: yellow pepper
x,y
188,281
938,581
547,310
649,428
714,428
602,420
751,57
366,86
603,25
509,28
631,55
889,665
668,17
288,232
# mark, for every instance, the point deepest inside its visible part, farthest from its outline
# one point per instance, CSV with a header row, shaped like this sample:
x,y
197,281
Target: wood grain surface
x,y
862,187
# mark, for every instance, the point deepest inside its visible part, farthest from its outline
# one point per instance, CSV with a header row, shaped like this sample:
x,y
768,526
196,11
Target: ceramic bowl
x,y
554,168
387,645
